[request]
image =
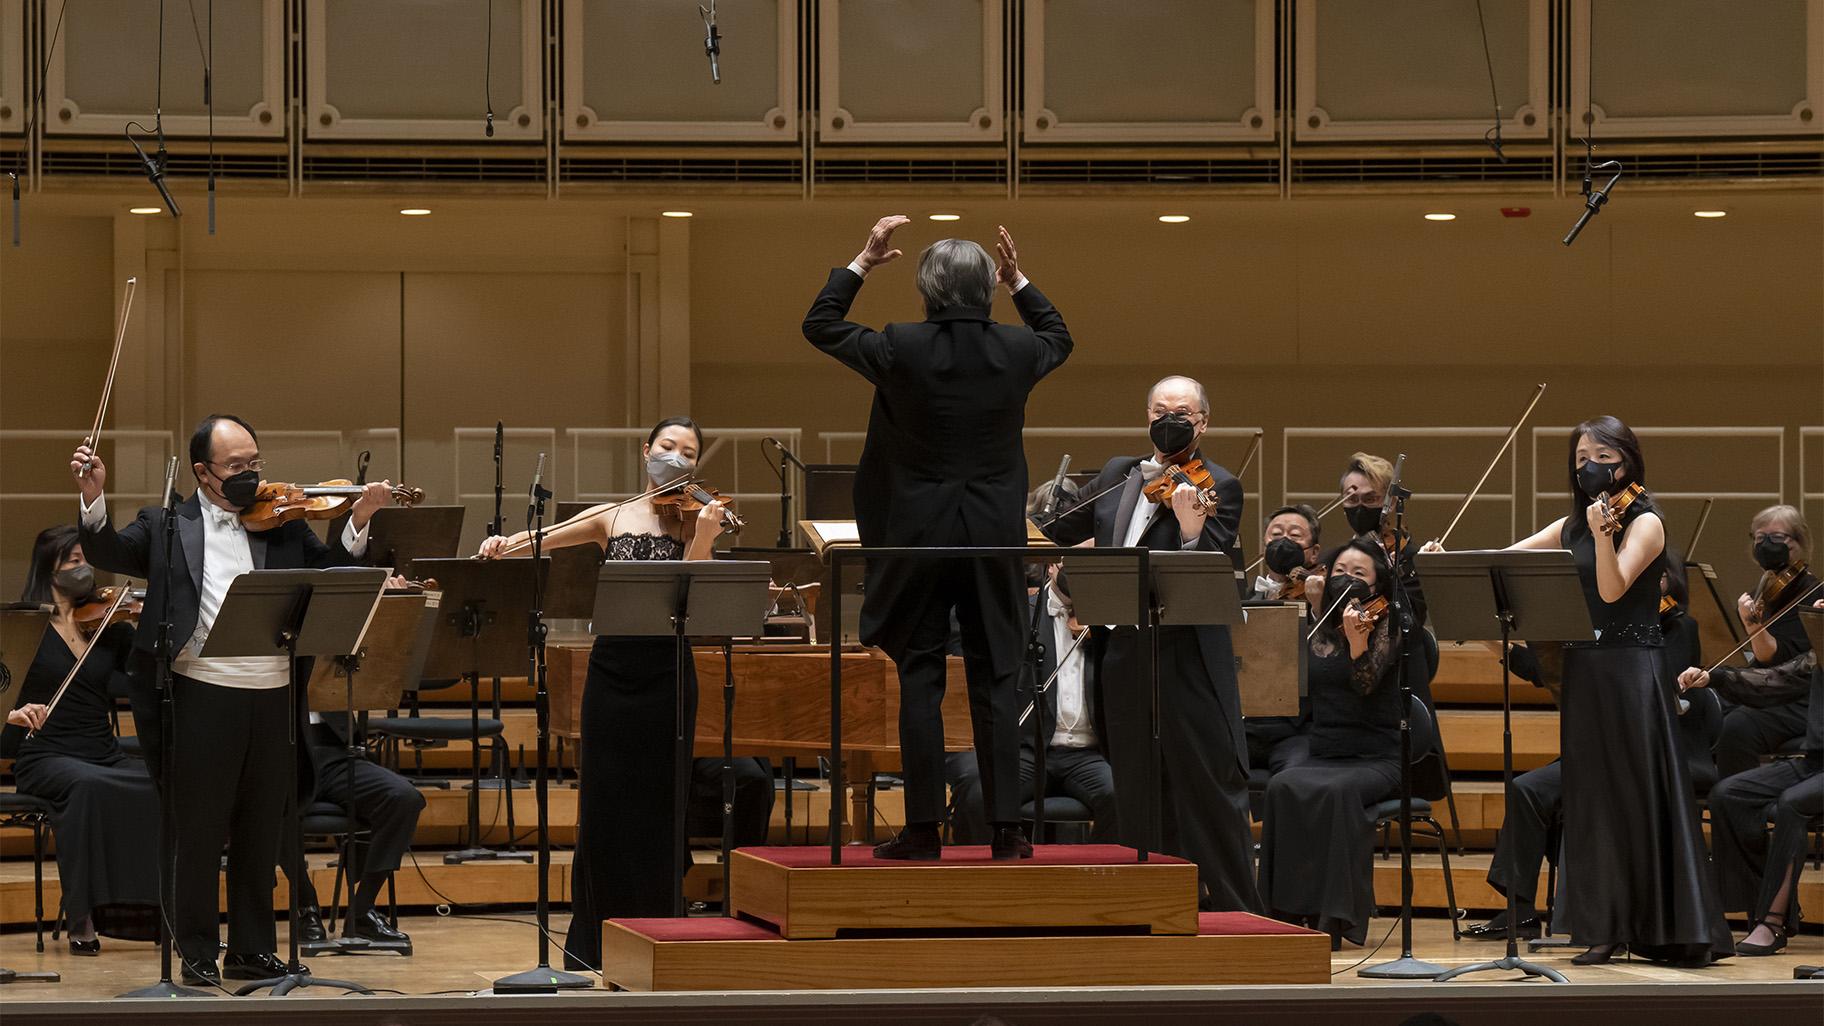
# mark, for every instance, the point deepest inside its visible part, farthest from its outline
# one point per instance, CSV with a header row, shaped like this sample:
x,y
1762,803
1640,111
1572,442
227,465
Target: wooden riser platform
x,y
802,896
729,954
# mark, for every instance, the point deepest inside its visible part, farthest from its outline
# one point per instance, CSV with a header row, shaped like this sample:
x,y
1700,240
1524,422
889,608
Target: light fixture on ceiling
x,y
1440,216
945,217
145,210
677,213
1174,218
416,211
1709,213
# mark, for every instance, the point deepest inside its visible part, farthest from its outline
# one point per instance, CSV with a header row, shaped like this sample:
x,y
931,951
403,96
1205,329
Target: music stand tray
x,y
1813,619
398,535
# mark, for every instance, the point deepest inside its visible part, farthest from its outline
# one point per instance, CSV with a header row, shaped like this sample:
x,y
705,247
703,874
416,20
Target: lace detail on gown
x,y
644,547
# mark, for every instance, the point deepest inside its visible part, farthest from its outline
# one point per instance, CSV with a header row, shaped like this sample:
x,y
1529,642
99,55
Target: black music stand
x,y
1534,595
390,659
398,535
295,614
702,599
22,626
478,633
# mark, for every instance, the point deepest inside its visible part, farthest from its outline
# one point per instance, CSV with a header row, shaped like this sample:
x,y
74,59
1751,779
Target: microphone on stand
x,y
498,524
537,493
1394,491
784,452
1057,485
785,489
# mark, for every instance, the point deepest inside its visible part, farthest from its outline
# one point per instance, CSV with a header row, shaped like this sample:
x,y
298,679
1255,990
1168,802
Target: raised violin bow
x,y
1506,443
107,388
1703,517
1749,640
1247,459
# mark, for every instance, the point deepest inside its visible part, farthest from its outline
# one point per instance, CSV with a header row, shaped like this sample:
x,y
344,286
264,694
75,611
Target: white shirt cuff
x,y
1018,284
93,516
355,541
860,271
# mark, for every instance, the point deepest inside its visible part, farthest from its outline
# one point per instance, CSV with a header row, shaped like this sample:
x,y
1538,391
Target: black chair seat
x,y
1390,809
431,728
12,803
323,819
1058,809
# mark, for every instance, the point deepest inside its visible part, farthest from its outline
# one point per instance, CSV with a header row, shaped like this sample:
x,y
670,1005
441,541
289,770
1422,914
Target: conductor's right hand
x,y
492,547
92,482
879,249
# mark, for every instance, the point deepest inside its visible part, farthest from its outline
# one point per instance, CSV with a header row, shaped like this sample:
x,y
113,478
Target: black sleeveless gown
x,y
629,860
1635,871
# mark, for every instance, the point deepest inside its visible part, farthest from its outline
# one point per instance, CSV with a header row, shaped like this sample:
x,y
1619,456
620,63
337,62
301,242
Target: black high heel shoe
x,y
1757,950
92,946
1600,954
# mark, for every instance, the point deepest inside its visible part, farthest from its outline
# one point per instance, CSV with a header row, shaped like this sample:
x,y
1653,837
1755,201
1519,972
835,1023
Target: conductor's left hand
x,y
879,249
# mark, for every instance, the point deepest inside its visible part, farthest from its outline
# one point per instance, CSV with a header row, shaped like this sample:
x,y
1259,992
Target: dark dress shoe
x,y
1743,948
1600,954
1525,928
91,946
310,926
255,967
201,974
371,925
1011,843
913,844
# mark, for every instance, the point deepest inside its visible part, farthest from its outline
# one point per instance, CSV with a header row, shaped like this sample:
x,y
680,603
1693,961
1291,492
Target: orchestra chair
x,y
1426,789
1060,811
25,812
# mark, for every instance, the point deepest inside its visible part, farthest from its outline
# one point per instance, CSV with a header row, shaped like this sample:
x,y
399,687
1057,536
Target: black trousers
x,y
231,768
385,805
1750,865
1080,773
1749,734
980,591
753,812
1520,847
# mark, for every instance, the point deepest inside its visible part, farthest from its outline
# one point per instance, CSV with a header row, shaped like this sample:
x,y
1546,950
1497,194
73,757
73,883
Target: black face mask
x,y
1363,519
1339,589
1172,434
78,582
1771,555
1595,478
1284,556
240,490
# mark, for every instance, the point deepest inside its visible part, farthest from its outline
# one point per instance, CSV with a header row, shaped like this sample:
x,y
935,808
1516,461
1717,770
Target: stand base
x,y
9,976
542,980
1808,972
1405,968
1511,963
283,985
166,989
355,946
1548,943
457,858
495,784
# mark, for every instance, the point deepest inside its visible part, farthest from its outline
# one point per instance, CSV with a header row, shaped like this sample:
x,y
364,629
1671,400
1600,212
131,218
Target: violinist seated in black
x,y
1759,874
1782,547
1291,555
1316,843
104,809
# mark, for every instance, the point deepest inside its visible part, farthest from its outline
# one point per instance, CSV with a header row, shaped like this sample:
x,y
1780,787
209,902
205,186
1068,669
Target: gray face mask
x,y
667,467
78,582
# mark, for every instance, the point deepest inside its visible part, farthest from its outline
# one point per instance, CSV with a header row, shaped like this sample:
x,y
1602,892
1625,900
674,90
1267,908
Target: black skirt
x,y
630,858
1635,871
1317,842
105,822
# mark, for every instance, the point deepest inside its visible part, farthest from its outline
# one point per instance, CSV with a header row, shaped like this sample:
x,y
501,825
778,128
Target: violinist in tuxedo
x,y
1069,712
231,726
944,465
1204,771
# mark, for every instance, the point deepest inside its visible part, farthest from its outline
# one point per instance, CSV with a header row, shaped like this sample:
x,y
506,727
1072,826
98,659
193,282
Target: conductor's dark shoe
x,y
255,967
201,974
1526,927
1011,843
310,925
913,844
371,925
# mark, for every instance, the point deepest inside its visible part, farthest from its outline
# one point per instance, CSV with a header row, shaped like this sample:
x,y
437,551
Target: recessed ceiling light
x,y
946,217
145,210
1440,216
1174,218
1710,213
416,211
675,213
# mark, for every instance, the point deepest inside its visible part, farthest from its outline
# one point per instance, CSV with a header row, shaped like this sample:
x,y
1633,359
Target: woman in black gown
x,y
1317,840
1635,873
629,860
105,813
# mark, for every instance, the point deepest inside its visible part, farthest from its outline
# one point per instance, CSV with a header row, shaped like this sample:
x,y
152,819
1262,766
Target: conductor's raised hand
x,y
92,482
1007,269
879,249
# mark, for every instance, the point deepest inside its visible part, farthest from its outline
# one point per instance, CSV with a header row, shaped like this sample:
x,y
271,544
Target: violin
x,y
1614,507
413,586
1373,609
1184,469
1773,585
279,503
686,499
1666,604
109,606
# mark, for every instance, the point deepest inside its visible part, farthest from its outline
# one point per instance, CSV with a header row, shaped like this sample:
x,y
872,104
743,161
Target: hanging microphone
x,y
14,175
1057,485
712,41
1592,205
155,170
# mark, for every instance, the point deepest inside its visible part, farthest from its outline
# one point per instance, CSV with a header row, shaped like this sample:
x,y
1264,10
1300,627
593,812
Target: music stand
x,y
398,535
701,599
295,614
22,626
390,659
1499,595
1813,619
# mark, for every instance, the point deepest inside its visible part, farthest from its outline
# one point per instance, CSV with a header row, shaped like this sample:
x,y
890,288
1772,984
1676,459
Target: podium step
x,y
1080,886
734,954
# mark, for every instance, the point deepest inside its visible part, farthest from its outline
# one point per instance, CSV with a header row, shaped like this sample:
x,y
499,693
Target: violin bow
x,y
1703,517
50,707
1506,444
1247,460
1328,509
107,388
596,512
1749,640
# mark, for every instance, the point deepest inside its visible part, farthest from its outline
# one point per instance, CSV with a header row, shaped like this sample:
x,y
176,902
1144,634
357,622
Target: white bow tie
x,y
1057,609
1150,471
222,517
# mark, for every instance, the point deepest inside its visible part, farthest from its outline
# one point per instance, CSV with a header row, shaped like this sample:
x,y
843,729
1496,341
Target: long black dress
x,y
630,860
1635,871
105,812
1317,839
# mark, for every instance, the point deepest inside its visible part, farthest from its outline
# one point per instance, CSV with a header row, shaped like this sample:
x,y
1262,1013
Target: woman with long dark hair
x,y
630,860
105,812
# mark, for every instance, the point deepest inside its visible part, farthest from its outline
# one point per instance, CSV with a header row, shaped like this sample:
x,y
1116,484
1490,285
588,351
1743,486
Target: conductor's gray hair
x,y
955,272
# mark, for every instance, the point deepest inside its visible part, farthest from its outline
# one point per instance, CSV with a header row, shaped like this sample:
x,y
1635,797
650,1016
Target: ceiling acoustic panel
x,y
1697,67
636,70
910,71
1148,70
105,69
422,69
1416,70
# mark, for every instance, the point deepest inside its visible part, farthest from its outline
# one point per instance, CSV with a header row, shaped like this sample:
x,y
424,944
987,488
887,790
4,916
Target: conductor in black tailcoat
x,y
1203,752
944,466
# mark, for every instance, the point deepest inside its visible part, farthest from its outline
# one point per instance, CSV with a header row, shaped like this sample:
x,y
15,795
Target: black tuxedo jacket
x,y
1046,705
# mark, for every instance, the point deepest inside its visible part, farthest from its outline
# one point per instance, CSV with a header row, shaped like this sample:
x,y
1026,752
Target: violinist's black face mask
x,y
1770,554
1595,478
1172,434
240,490
1363,519
1284,556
